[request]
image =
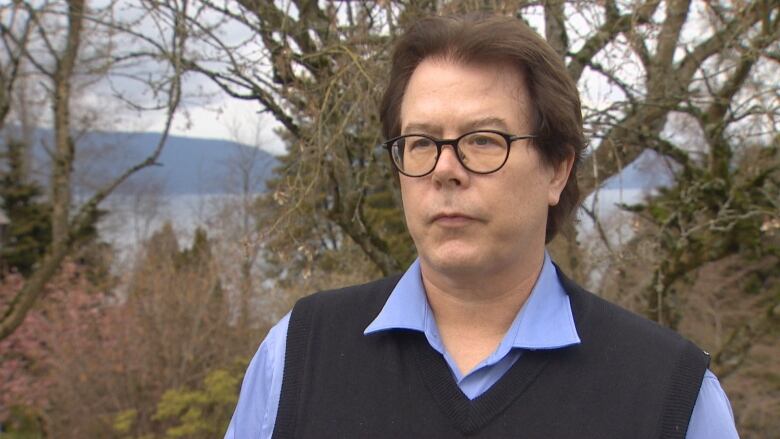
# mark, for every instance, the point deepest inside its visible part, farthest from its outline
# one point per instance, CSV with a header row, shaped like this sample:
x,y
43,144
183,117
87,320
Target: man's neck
x,y
473,315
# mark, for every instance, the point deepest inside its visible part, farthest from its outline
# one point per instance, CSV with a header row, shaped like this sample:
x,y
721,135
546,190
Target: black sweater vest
x,y
629,378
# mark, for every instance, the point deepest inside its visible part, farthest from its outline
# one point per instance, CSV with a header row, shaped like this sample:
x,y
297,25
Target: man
x,y
482,336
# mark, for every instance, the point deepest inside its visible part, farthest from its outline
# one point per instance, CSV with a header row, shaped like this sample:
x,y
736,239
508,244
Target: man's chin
x,y
456,262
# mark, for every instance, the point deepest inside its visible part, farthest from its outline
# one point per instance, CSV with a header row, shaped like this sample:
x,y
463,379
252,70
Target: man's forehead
x,y
454,73
467,94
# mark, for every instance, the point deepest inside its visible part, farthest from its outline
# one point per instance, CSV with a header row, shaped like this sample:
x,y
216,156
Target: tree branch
x,y
72,231
612,27
555,26
734,352
621,143
10,73
725,37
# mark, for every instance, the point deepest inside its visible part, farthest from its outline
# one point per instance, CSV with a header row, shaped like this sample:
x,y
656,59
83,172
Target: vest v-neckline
x,y
471,415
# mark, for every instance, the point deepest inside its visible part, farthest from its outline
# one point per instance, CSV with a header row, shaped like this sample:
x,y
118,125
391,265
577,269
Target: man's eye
x,y
484,141
421,143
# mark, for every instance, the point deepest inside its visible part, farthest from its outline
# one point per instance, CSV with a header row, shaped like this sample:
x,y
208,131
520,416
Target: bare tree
x,y
13,49
693,81
245,171
58,57
318,69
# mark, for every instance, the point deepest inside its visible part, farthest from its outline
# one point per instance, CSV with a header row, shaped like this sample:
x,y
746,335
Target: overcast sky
x,y
215,115
221,118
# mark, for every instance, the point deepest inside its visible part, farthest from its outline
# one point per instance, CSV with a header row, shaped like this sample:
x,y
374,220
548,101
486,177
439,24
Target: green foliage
x,y
22,423
308,235
28,233
204,412
124,420
198,253
163,248
163,243
387,217
706,217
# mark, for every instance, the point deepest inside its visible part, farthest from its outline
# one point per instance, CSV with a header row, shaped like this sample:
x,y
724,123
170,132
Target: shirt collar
x,y
407,306
544,322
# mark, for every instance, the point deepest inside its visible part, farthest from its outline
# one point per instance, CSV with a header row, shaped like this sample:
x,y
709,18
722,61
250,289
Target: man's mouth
x,y
452,219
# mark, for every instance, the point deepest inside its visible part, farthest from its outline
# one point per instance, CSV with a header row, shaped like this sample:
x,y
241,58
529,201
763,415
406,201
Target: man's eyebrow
x,y
491,122
422,128
485,122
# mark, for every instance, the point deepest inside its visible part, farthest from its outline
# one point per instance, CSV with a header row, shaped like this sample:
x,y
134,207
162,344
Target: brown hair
x,y
556,104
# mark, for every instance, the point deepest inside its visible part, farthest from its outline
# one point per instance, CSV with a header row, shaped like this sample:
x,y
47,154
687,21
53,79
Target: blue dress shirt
x,y
544,322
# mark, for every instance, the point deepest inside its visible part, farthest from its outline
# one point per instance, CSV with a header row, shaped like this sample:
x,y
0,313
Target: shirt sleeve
x,y
255,414
712,417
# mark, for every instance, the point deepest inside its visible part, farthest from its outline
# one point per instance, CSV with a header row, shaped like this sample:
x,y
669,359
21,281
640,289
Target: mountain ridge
x,y
186,165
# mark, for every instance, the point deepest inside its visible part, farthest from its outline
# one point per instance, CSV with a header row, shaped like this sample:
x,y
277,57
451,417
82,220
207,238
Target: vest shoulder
x,y
600,316
367,296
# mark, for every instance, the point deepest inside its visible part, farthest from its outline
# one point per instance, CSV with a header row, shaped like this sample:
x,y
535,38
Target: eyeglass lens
x,y
479,152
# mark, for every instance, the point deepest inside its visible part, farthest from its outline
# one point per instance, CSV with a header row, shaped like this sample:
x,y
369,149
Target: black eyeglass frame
x,y
440,143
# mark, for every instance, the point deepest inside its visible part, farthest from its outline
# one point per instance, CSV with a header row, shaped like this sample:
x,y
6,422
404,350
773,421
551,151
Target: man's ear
x,y
558,178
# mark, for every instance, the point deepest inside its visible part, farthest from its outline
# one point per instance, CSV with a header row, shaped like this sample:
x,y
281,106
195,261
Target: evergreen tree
x,y
28,233
198,255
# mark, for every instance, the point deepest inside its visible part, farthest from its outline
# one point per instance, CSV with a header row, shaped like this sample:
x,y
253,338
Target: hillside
x,y
186,166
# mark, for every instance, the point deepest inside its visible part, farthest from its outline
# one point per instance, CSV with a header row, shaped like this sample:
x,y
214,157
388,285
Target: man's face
x,y
464,223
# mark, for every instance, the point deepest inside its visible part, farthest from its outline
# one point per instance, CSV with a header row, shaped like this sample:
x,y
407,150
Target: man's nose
x,y
448,168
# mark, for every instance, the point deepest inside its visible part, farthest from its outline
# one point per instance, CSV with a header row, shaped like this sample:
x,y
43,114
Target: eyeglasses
x,y
481,152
